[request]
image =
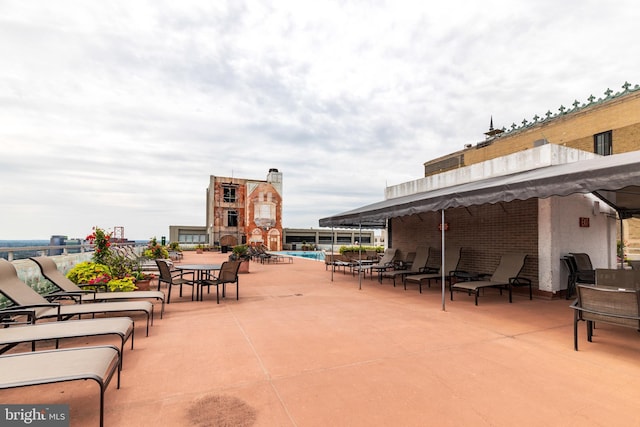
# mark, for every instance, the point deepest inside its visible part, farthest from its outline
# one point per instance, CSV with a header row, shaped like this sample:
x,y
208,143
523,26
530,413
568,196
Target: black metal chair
x,y
173,278
585,273
228,274
570,263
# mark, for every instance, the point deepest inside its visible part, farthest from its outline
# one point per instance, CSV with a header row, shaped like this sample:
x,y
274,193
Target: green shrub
x,y
87,271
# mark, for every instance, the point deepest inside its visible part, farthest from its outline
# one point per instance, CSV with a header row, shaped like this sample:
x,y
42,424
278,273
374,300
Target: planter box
x,y
143,285
244,267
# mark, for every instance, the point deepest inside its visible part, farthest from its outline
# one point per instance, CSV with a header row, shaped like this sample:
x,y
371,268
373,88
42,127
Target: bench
x,y
615,306
56,366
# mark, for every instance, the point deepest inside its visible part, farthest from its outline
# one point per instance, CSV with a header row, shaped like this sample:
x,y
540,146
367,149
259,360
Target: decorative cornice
x,y
577,106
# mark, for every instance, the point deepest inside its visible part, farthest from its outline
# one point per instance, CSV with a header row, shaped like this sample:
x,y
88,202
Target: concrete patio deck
x,y
300,350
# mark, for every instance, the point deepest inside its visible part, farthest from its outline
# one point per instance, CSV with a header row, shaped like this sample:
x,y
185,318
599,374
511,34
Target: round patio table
x,y
201,271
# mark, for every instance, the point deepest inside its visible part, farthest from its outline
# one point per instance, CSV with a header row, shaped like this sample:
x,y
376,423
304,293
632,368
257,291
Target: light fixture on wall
x,y
596,207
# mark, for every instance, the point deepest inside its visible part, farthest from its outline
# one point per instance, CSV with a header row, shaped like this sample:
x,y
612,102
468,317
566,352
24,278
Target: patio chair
x,y
585,273
506,276
57,366
67,288
12,335
26,298
572,271
173,278
419,265
228,274
451,262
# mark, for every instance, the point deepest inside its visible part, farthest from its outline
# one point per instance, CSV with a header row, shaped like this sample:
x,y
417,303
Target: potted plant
x,y
241,253
199,248
143,280
98,276
155,250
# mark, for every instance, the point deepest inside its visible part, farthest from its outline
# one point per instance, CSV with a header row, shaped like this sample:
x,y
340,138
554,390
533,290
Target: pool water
x,y
316,255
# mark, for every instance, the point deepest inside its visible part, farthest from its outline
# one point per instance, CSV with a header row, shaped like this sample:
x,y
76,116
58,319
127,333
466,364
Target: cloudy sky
x,y
115,113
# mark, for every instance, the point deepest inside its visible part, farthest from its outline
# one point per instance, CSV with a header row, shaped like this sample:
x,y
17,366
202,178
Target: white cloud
x,y
116,113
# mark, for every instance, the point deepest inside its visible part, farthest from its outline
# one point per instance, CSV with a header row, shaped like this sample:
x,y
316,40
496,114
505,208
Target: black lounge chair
x,y
506,276
26,298
57,366
451,262
50,272
11,335
419,265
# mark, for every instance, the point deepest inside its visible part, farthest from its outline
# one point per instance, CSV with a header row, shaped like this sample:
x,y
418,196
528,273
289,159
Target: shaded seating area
x,y
451,261
26,298
67,288
98,363
505,277
174,278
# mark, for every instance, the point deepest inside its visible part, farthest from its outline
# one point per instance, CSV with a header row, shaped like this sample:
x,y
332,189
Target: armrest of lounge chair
x,y
75,296
33,306
7,317
102,287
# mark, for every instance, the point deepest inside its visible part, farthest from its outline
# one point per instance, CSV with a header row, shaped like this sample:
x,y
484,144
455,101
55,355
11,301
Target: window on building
x,y
229,195
232,218
603,143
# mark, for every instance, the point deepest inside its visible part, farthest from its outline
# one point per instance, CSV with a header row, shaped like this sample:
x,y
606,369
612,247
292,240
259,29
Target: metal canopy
x,y
615,179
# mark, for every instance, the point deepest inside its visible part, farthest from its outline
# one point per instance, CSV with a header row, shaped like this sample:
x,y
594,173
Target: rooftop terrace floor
x,y
298,349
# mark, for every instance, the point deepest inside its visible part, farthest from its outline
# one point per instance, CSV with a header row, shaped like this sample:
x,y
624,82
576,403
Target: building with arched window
x,y
245,211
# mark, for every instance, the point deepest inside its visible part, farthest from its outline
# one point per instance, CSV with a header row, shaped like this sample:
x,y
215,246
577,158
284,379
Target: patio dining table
x,y
201,272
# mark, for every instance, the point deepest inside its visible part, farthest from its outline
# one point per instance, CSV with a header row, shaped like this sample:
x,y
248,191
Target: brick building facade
x,y
244,211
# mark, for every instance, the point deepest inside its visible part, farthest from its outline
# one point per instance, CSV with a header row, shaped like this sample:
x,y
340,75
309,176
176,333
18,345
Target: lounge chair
x,y
451,261
57,366
506,276
10,337
385,263
68,288
24,297
419,265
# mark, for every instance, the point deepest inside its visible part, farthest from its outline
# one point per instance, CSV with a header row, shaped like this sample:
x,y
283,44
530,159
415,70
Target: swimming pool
x,y
315,255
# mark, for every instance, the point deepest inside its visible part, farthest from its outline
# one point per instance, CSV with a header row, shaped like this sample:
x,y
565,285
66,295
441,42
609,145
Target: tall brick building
x,y
245,211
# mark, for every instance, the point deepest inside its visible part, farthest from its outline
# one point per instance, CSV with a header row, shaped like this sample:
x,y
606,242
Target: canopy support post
x,y
333,259
360,255
442,255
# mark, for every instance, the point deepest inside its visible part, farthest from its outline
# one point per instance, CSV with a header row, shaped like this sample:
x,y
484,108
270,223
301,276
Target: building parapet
x,y
534,158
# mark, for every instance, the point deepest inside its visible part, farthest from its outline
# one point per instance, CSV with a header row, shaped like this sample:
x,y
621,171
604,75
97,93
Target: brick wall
x,y
485,232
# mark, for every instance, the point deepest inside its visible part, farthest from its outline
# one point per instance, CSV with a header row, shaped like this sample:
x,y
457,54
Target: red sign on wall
x,y
584,221
445,226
